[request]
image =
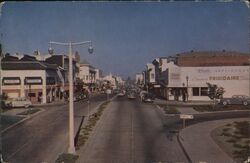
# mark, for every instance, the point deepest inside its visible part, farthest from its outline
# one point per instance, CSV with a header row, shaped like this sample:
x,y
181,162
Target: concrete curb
x,y
23,120
183,149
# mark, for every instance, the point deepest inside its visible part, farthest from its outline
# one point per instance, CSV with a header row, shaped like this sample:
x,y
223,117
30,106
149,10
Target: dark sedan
x,y
236,100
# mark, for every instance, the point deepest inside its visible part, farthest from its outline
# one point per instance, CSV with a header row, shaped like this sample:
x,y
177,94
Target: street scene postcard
x,y
125,81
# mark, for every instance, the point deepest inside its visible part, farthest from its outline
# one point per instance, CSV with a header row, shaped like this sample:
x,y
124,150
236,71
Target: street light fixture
x,y
249,75
1,74
187,86
71,148
148,77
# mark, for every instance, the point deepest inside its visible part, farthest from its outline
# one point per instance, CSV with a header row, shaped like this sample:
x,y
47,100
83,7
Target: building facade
x,y
185,76
37,81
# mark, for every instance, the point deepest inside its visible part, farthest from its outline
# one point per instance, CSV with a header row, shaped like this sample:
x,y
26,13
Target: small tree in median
x,y
215,92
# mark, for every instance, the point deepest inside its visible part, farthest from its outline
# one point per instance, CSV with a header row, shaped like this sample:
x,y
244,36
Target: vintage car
x,y
18,102
131,95
148,97
236,100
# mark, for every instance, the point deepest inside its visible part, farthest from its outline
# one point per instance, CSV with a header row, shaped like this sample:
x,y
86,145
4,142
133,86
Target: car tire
x,y
245,103
224,103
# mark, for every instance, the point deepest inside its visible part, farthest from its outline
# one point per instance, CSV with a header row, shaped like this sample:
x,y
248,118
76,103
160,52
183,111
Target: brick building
x,y
217,58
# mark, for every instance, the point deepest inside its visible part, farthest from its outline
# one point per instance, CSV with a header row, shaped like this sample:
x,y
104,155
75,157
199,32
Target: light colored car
x,y
131,95
121,94
18,102
236,100
142,94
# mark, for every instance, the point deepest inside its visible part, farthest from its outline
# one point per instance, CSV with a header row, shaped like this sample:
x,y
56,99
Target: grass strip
x,y
211,108
169,109
29,111
66,158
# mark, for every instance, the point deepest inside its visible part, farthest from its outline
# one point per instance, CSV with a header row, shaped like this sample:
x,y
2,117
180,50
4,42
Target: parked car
x,y
148,97
131,95
121,94
142,94
236,100
18,102
2,102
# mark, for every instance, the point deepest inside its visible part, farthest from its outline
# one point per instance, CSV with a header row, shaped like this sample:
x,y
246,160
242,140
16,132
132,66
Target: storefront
x,y
191,82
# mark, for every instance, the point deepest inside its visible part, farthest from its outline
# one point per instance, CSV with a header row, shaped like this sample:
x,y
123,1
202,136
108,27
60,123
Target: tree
x,y
215,92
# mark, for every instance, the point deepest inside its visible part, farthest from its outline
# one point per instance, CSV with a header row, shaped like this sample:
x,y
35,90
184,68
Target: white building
x,y
234,80
150,73
87,73
139,78
113,81
188,74
40,82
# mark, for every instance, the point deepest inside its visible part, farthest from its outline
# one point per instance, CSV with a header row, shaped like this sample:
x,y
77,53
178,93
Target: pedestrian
x,y
184,96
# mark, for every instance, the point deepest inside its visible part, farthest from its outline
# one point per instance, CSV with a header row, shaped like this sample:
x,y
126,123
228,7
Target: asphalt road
x,y
131,132
45,136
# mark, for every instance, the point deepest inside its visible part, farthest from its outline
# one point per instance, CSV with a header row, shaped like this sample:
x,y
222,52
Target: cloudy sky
x,y
125,35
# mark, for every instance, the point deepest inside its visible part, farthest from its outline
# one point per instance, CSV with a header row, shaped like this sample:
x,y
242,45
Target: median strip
x,y
86,131
169,109
83,135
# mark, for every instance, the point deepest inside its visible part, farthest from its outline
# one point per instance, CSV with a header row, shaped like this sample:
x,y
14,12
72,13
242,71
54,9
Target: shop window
x,y
32,94
152,76
204,91
196,91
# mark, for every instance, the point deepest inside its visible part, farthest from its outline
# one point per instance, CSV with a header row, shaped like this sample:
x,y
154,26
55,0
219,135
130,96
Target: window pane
x,y
204,91
196,91
152,76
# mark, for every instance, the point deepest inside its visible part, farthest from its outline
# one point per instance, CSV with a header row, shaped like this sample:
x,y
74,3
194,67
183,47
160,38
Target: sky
x,y
125,35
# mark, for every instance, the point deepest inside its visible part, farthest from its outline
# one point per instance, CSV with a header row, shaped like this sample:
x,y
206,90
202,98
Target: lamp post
x,y
249,75
1,75
71,148
187,86
148,77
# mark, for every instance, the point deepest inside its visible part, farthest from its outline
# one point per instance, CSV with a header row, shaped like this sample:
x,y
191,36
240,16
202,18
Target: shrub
x,y
67,158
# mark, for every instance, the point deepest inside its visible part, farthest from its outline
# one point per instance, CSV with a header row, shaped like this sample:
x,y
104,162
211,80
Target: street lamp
x,y
249,75
71,148
148,77
1,74
187,86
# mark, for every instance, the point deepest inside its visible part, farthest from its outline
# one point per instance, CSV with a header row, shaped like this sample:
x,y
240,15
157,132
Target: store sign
x,y
108,91
11,81
33,80
186,116
224,78
203,71
175,76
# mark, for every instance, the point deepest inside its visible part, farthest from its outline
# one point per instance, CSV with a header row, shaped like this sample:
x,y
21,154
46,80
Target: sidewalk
x,y
200,146
13,112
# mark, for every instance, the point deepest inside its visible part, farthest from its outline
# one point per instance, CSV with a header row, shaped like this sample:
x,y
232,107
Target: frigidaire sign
x,y
224,78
